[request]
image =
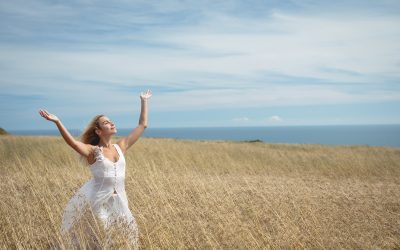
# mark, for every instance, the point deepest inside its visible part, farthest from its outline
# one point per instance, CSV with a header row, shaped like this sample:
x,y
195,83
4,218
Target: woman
x,y
105,192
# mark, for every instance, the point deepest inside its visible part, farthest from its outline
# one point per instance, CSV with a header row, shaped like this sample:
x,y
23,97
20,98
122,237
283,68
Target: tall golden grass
x,y
213,194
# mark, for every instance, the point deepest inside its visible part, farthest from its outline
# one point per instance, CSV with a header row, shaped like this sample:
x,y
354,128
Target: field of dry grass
x,y
213,194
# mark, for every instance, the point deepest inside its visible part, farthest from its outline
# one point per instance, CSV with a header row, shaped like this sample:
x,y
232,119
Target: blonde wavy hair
x,y
89,135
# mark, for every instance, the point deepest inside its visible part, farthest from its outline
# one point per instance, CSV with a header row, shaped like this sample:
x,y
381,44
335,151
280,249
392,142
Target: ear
x,y
97,131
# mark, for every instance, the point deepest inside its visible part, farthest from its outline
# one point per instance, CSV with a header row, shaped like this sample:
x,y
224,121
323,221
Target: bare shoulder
x,y
91,149
91,156
126,142
122,144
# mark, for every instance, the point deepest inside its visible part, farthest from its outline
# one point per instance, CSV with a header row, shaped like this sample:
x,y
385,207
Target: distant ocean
x,y
372,135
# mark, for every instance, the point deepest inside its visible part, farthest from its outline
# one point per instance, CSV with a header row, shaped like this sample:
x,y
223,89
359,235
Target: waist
x,y
109,179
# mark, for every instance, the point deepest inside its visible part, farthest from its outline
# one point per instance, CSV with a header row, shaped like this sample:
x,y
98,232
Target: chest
x,y
111,154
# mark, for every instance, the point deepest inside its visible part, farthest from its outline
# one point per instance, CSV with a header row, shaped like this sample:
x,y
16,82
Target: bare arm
x,y
127,142
80,147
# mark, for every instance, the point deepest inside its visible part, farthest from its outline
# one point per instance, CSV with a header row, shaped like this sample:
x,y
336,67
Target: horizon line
x,y
256,126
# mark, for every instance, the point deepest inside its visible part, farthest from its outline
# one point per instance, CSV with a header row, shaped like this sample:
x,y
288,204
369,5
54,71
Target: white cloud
x,y
285,43
240,119
274,119
298,45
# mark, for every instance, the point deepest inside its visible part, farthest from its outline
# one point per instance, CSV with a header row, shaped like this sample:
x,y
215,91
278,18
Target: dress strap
x,y
119,150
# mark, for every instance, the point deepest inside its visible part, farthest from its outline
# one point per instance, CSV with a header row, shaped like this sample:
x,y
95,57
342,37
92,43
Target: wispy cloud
x,y
241,119
274,119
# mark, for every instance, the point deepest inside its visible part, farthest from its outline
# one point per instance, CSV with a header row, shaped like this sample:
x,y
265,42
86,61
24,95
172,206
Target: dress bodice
x,y
108,176
104,167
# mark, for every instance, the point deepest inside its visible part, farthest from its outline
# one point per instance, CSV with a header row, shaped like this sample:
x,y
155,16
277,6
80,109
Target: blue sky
x,y
208,63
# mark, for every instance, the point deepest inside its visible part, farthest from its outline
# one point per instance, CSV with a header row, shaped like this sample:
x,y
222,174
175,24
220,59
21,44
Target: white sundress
x,y
105,194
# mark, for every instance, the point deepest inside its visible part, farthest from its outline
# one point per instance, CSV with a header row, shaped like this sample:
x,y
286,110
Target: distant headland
x,y
3,132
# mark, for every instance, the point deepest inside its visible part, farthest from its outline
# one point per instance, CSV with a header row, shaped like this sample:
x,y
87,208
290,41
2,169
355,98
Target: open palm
x,y
145,95
46,115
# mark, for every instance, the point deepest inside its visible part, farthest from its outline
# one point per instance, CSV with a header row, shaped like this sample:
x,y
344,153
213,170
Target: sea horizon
x,y
362,134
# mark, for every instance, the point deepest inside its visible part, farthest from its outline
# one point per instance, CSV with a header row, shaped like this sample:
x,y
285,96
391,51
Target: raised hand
x,y
145,95
46,115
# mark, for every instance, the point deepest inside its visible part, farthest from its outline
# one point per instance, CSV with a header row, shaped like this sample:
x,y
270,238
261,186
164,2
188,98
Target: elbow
x,y
144,125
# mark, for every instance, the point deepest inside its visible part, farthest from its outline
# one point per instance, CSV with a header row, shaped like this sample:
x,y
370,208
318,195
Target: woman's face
x,y
107,126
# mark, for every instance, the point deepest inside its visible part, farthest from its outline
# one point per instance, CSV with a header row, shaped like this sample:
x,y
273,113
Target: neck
x,y
105,142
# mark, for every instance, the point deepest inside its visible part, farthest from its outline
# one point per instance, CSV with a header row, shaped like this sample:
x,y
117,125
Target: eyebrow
x,y
106,121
